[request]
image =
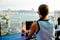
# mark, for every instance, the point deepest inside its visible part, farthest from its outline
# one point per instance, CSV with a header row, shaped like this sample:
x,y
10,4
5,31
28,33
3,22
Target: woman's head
x,y
43,10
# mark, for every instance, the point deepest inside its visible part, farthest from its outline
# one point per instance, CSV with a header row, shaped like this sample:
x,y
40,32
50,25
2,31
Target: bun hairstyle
x,y
43,10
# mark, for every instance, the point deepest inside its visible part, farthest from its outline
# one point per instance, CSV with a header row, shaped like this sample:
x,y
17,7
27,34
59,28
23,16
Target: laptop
x,y
28,26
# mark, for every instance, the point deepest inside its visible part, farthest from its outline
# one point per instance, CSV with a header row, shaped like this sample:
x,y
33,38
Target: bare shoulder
x,y
35,26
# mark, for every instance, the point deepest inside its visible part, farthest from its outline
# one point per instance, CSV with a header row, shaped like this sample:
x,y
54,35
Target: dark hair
x,y
43,10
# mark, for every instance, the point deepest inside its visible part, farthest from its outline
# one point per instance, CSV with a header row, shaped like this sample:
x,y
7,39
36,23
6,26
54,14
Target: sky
x,y
28,4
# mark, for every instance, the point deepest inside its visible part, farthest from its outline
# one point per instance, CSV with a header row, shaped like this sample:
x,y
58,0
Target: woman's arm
x,y
33,29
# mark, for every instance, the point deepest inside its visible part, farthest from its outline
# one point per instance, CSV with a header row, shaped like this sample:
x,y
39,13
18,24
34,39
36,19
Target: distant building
x,y
57,14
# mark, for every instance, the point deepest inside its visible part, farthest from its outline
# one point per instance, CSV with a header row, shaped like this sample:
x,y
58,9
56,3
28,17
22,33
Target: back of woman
x,y
46,31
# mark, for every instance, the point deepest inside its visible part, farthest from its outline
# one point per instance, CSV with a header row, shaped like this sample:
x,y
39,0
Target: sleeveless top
x,y
47,30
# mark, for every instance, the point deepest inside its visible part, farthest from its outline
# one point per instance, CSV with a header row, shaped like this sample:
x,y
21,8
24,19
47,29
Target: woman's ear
x,y
40,15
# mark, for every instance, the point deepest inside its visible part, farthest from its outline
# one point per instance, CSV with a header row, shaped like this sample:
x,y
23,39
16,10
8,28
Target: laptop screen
x,y
28,24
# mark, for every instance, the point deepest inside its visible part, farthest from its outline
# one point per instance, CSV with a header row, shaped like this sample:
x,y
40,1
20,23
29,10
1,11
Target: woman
x,y
43,27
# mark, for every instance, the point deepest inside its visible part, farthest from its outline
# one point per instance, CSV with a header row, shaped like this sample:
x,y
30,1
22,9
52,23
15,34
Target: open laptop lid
x,y
28,24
